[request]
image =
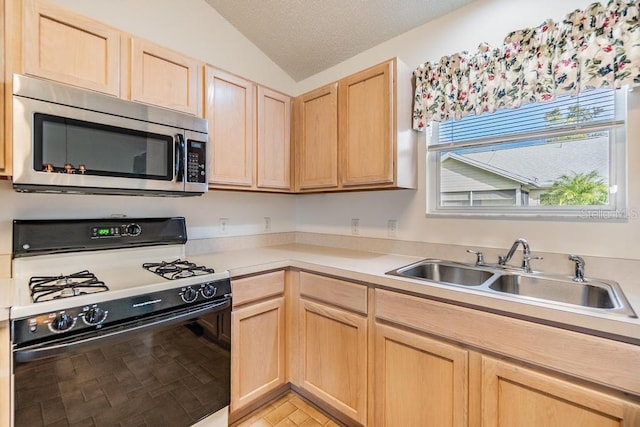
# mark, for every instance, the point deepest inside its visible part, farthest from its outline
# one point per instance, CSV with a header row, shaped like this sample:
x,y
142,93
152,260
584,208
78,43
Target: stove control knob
x,y
208,290
133,229
62,323
189,294
94,316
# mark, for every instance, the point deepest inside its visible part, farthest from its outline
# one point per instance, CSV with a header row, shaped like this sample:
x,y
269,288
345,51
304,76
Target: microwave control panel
x,y
196,162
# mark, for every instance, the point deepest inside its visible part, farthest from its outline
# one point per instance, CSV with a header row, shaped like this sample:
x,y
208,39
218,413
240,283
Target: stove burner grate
x,y
44,288
177,269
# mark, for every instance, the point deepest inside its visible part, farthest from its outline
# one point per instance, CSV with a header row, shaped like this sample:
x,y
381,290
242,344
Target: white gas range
x,y
87,287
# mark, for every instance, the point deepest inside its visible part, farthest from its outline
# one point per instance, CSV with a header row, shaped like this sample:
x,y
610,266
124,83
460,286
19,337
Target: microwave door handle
x,y
179,164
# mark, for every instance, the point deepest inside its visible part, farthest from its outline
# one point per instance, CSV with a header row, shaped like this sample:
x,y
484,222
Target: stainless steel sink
x,y
445,272
586,294
594,296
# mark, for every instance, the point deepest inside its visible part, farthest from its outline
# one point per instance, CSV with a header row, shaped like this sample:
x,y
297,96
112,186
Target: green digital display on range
x,y
103,232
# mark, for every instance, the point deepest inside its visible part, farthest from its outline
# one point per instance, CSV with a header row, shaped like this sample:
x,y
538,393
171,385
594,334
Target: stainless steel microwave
x,y
70,140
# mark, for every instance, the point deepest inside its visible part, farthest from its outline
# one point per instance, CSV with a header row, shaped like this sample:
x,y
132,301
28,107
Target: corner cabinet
x,y
316,118
162,77
376,147
419,380
274,140
70,48
333,343
258,338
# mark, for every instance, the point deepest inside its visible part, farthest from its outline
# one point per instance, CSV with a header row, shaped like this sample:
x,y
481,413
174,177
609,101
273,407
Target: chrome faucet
x,y
526,255
503,260
579,275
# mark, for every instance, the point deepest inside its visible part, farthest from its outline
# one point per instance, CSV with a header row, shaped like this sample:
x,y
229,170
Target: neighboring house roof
x,y
540,165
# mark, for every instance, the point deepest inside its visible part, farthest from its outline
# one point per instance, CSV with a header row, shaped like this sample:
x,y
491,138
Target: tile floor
x,y
289,410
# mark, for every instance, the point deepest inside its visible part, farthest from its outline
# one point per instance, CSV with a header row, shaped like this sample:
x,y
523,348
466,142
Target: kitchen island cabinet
x,y
333,343
258,338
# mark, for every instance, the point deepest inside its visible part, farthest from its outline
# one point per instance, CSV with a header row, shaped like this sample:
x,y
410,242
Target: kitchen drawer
x,y
256,288
336,292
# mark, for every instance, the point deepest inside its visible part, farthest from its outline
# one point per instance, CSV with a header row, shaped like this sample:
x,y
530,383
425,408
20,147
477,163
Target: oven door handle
x,y
43,350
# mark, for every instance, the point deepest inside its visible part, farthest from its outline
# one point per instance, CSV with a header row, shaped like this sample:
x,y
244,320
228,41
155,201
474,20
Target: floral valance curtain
x,y
593,48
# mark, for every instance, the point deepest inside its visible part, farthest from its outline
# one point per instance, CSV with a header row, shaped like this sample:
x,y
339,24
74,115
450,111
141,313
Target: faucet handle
x,y
525,262
479,256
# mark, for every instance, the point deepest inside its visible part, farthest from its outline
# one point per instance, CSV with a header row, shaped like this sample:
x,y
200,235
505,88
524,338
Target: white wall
x,y
194,28
465,29
191,27
245,211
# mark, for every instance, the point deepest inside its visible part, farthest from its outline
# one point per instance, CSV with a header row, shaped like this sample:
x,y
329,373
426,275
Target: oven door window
x,y
97,149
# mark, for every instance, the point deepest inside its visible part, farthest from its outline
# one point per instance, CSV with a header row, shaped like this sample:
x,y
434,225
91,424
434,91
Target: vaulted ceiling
x,y
305,37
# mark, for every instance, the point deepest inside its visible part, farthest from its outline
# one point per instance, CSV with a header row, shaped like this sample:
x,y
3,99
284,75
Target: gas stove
x,y
67,270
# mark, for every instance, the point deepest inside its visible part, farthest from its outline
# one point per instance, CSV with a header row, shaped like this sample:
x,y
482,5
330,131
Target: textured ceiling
x,y
305,37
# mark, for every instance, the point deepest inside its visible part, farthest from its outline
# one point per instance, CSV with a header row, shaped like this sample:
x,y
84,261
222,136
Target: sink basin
x,y
445,272
586,294
592,296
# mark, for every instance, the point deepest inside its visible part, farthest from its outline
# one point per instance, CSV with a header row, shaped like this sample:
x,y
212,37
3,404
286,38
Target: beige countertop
x,y
370,267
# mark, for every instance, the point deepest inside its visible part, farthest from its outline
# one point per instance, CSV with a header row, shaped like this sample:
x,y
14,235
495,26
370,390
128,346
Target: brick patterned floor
x,y
289,410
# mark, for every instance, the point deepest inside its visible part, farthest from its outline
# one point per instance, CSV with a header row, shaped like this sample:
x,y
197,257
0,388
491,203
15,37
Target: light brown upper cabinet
x,y
316,117
231,115
376,147
249,134
165,78
70,48
274,140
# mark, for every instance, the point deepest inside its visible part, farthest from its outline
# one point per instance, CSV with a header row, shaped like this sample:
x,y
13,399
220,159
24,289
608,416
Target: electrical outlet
x,y
355,226
392,227
223,225
267,223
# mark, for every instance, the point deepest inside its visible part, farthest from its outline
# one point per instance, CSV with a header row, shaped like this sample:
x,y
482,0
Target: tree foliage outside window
x,y
581,189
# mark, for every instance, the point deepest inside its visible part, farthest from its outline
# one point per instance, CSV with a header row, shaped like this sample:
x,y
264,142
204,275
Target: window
x,y
560,158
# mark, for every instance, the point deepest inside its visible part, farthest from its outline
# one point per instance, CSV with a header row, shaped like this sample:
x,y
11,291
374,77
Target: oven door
x,y
166,370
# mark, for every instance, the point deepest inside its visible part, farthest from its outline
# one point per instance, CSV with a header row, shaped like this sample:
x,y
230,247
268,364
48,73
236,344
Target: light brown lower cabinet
x,y
333,352
419,381
515,396
258,338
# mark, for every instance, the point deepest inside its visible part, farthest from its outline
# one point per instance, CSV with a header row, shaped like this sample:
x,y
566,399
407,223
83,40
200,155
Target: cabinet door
x,y
418,380
230,112
274,147
514,396
367,142
69,48
165,78
333,351
317,139
258,351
